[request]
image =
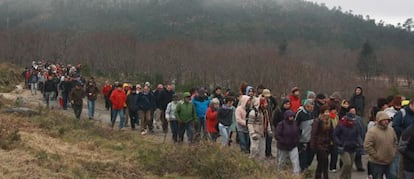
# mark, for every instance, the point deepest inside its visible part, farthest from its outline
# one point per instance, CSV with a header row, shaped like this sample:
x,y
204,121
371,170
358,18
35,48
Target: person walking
x,y
225,119
76,99
34,81
346,137
170,117
92,95
406,148
287,137
201,103
381,146
185,114
131,103
211,119
241,122
118,99
321,139
257,126
358,100
50,88
146,105
304,119
105,91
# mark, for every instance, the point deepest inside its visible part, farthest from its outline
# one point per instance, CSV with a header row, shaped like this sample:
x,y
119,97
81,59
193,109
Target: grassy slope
x,y
53,145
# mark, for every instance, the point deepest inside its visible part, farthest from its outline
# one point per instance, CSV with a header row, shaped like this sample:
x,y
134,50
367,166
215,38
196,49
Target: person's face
x,y
352,111
259,91
384,123
326,112
218,92
297,93
216,106
345,105
411,106
146,89
309,107
169,87
251,93
322,101
358,91
286,106
291,118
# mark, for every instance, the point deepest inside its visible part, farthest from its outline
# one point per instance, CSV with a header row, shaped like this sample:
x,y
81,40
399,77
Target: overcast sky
x,y
391,11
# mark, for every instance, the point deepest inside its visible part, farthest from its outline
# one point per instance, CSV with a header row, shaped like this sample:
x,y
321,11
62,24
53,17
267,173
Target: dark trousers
x,y
107,103
358,161
334,157
268,149
183,128
77,109
305,155
378,171
133,116
322,168
174,130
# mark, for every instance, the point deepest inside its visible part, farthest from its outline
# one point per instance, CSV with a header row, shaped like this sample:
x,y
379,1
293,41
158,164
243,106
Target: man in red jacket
x,y
105,92
118,99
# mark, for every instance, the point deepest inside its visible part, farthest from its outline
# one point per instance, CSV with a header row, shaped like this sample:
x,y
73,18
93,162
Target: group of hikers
x,y
329,127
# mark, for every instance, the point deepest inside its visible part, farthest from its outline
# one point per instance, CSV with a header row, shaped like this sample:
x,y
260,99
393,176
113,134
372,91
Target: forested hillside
x,y
275,42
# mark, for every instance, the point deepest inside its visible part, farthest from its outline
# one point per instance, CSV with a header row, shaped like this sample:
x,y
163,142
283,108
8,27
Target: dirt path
x,y
103,116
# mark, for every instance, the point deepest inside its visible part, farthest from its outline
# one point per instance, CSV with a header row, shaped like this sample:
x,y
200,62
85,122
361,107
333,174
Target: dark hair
x,y
381,102
411,102
261,87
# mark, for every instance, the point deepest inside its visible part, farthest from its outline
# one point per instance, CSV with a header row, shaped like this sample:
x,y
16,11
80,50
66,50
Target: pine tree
x,y
368,65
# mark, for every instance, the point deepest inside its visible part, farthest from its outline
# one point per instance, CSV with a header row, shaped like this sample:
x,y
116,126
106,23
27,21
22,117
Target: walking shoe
x,y
144,132
361,170
332,171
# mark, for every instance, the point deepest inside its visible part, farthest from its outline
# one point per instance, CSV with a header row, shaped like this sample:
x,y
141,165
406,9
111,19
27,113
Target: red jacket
x,y
211,120
118,99
106,89
295,103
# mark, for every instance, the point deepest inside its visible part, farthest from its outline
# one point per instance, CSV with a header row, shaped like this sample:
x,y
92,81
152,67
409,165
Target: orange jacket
x,y
118,99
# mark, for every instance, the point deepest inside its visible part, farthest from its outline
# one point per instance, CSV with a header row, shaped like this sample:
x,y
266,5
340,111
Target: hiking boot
x,y
144,132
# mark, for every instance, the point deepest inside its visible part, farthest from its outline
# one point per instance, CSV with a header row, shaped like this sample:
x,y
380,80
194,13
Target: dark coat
x,y
163,98
131,102
347,136
287,133
145,102
321,138
406,147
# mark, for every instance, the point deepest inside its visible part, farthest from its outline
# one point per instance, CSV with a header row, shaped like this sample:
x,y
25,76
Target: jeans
x,y
174,130
333,151
183,127
200,127
225,133
65,100
121,116
378,171
346,169
322,167
91,108
268,150
244,142
133,116
77,109
145,119
33,88
305,155
392,172
49,96
293,155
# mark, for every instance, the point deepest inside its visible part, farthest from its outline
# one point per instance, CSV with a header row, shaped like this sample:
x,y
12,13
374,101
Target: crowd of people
x,y
328,127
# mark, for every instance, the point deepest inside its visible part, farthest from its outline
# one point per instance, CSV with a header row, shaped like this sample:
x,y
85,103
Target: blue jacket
x,y
400,123
201,105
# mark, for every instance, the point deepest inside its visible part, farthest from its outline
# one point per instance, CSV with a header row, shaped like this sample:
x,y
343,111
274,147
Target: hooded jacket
x,y
406,147
287,133
304,120
358,101
145,101
295,103
118,99
131,102
241,114
278,115
201,104
380,144
401,121
347,135
225,115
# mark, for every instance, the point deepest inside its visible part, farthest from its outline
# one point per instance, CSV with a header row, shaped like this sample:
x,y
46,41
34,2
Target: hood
x,y
310,95
243,101
287,114
248,89
362,91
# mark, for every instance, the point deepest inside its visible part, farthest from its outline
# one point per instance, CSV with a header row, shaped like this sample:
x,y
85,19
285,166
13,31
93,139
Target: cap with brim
x,y
187,94
266,93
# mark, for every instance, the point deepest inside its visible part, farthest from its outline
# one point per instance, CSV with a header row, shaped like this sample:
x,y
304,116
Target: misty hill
x,y
275,42
211,20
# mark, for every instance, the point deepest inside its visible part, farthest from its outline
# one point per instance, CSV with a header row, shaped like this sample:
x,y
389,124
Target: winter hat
x,y
147,84
248,89
214,101
381,115
285,100
187,94
294,89
308,102
350,116
175,97
288,114
310,95
266,93
320,96
381,102
335,95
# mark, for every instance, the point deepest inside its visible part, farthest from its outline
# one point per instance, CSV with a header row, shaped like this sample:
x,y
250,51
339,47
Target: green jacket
x,y
185,112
